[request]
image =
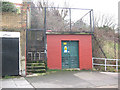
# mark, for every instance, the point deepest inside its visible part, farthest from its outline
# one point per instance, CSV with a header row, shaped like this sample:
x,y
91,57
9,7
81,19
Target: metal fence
x,y
60,19
105,62
35,45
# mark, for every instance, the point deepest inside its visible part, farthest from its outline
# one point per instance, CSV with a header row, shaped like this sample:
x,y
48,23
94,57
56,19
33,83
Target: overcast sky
x,y
107,7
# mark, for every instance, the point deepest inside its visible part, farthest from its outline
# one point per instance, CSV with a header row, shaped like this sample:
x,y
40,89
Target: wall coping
x,y
69,33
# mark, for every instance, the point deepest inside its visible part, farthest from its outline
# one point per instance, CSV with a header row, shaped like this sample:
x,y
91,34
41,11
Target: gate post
x,y
105,64
116,64
45,56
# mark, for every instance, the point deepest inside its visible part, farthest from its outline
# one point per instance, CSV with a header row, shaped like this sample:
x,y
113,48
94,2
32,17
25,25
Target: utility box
x,y
66,51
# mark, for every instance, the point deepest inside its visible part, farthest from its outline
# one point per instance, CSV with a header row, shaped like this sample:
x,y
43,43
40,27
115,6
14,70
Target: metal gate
x,y
70,57
35,45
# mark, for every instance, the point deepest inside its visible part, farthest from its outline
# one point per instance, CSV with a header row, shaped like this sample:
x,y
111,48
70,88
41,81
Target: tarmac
x,y
64,79
75,79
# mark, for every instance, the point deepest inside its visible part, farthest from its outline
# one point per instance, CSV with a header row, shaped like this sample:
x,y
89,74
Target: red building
x,y
69,51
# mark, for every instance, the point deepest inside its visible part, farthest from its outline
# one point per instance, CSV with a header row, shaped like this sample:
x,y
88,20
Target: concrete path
x,y
75,79
15,83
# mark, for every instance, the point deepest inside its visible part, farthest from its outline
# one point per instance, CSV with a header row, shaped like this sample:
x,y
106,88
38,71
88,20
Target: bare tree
x,y
105,21
55,18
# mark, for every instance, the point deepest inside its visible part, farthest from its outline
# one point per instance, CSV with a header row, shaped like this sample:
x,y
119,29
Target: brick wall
x,y
14,22
11,20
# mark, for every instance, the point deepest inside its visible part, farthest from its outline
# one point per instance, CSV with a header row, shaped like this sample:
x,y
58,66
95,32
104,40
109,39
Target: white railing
x,y
105,64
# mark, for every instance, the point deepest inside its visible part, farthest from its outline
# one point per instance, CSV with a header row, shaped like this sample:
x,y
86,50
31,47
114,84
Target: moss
x,y
9,77
59,33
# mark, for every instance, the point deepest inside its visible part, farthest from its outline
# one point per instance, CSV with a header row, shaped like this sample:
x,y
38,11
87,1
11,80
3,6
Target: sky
x,y
107,7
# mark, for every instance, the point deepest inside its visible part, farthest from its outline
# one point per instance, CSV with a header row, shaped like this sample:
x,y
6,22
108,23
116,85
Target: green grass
x,y
9,77
49,71
108,48
58,70
52,71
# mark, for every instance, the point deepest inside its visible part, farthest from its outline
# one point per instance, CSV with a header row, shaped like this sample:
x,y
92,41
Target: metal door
x,y
70,57
10,56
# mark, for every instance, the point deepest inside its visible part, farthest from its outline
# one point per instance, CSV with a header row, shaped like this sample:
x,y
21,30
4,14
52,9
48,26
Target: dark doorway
x,y
10,56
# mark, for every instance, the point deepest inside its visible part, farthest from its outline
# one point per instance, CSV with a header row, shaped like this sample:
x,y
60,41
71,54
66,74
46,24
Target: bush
x,y
8,7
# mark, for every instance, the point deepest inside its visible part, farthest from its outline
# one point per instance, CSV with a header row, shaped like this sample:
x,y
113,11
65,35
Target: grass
x,y
108,48
56,70
10,77
49,71
108,69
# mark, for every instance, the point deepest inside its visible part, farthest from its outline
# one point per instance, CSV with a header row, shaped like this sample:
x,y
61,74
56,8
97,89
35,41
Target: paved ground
x,y
75,79
15,83
65,79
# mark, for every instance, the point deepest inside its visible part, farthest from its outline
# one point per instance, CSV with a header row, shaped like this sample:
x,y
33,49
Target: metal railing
x,y
34,56
105,62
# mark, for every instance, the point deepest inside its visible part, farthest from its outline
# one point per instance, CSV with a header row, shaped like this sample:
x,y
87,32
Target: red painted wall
x,y
54,60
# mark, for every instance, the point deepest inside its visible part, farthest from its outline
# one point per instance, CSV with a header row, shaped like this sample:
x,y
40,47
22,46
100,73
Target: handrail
x,y
105,64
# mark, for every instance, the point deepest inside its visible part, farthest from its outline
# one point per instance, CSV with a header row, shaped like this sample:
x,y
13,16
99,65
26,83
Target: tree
x,y
105,33
104,21
55,18
8,7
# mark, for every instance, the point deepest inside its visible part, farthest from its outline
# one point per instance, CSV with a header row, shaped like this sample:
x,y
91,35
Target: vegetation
x,y
9,77
8,7
109,49
105,22
108,41
50,71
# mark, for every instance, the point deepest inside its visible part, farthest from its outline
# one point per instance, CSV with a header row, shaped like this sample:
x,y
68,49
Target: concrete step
x,y
37,61
36,67
36,70
35,64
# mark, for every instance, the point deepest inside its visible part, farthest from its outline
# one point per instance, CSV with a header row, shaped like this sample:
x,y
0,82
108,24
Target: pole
x,y
45,56
70,18
90,23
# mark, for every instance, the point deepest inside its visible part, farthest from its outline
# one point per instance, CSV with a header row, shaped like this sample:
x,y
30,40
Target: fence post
x,y
35,56
105,64
116,64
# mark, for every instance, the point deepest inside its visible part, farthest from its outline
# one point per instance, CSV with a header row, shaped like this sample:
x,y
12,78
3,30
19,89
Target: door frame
x,y
78,51
6,34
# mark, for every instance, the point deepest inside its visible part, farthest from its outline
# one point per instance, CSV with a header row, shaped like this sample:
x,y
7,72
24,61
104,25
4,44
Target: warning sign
x,y
65,49
65,43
